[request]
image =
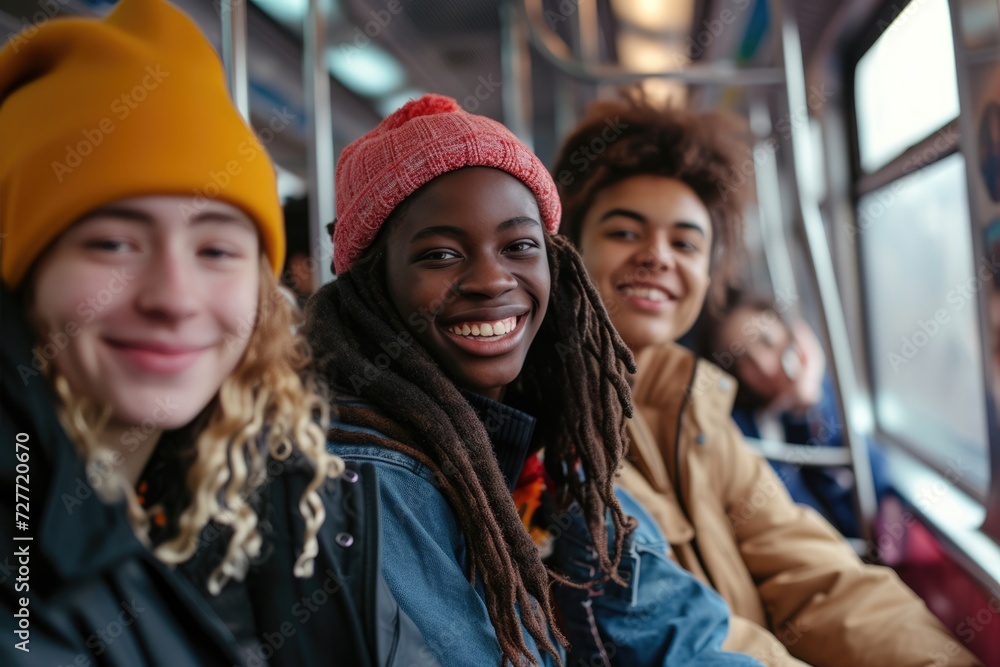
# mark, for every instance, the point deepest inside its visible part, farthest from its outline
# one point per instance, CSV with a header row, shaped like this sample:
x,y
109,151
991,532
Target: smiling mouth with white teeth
x,y
643,292
484,330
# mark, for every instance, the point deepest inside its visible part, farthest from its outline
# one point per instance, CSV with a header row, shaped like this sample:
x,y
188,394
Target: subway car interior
x,y
865,117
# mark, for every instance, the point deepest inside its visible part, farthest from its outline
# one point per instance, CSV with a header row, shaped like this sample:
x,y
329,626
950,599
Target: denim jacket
x,y
662,616
425,561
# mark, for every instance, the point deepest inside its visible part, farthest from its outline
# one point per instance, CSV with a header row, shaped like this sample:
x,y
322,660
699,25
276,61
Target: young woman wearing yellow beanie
x,y
141,232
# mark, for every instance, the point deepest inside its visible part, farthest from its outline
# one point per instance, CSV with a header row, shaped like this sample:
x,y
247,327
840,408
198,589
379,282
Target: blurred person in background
x,y
297,274
785,395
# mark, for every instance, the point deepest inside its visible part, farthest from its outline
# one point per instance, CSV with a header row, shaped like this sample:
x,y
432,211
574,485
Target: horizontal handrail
x,y
813,456
555,50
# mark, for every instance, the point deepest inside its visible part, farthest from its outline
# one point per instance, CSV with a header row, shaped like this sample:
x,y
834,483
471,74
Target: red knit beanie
x,y
417,143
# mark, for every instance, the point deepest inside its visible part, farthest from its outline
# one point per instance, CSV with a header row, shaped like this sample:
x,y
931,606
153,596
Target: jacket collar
x,y
510,431
670,376
671,383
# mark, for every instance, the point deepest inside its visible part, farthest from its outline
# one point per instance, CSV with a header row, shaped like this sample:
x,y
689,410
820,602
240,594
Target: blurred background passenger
x,y
297,274
786,395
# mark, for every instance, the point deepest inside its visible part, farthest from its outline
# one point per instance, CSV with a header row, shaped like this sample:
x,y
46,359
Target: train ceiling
x,y
383,51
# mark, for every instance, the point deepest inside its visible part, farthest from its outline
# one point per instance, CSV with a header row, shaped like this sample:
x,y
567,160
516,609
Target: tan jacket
x,y
796,588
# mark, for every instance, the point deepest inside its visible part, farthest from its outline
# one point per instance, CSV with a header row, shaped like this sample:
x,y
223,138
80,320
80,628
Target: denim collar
x,y
510,431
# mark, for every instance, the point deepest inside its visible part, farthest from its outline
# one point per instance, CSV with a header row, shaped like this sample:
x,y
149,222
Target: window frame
x,y
909,162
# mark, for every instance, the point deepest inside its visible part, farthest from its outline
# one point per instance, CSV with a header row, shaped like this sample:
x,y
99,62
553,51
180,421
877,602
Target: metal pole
x,y
234,53
818,253
589,27
318,116
768,184
516,72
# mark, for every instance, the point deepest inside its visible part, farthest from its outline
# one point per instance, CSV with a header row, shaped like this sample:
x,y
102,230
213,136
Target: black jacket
x,y
94,595
88,586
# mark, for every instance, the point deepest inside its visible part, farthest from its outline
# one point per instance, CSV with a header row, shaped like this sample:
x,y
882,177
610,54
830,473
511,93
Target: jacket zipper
x,y
370,501
682,492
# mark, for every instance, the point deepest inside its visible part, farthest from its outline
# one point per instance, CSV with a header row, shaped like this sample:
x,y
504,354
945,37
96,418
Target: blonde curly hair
x,y
263,410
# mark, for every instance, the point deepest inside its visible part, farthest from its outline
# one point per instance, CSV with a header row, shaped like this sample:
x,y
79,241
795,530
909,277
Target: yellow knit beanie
x,y
134,105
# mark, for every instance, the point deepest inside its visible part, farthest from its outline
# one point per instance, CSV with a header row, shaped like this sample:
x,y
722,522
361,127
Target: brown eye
x,y
216,252
522,246
438,255
109,245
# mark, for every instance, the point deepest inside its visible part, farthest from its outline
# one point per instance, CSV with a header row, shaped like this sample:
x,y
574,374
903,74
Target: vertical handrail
x,y
234,53
588,34
821,265
589,31
515,66
770,212
320,132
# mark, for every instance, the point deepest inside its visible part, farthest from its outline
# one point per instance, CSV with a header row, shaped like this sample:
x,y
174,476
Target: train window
x,y
913,229
923,332
905,84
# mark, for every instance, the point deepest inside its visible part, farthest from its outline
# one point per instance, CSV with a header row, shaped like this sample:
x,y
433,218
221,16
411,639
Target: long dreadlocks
x,y
352,322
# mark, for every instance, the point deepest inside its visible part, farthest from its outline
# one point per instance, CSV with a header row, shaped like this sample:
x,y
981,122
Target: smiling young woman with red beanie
x,y
151,379
455,314
443,251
